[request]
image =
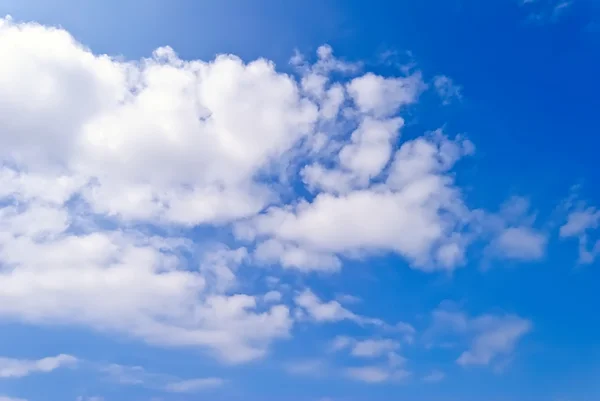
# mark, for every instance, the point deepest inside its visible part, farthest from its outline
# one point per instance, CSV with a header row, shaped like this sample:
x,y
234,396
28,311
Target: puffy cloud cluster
x,y
159,139
415,211
107,165
98,153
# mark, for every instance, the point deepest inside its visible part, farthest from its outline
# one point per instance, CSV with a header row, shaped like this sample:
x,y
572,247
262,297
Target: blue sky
x,y
303,201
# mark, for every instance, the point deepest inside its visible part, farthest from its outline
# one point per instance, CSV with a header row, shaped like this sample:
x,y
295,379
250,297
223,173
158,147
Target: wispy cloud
x,y
308,367
92,398
370,348
16,368
385,364
447,89
434,377
138,376
12,368
512,232
490,339
546,11
582,223
330,311
376,374
193,385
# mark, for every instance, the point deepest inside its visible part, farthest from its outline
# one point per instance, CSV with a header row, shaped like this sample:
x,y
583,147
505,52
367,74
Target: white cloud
x,y
107,167
381,97
370,148
348,299
317,178
308,367
361,160
326,62
417,213
376,374
272,296
495,336
340,343
447,90
520,243
315,80
434,377
130,284
132,375
7,398
581,222
161,139
490,337
514,236
138,376
331,311
218,268
193,385
16,368
390,366
292,256
370,348
374,348
561,7
369,374
407,330
546,11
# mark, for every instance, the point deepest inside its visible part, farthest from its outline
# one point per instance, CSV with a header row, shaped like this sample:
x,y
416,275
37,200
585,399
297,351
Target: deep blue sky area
x,y
528,73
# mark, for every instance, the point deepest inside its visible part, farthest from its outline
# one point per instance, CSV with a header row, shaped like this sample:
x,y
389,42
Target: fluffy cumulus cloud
x,y
109,167
93,147
415,210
